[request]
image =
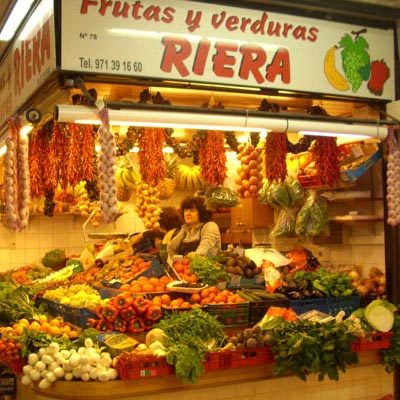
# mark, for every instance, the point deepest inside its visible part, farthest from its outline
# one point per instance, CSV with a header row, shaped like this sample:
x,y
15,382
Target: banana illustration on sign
x,y
335,78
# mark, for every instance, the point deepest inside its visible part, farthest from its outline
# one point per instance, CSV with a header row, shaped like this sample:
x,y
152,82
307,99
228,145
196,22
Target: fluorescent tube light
x,y
216,121
335,134
15,18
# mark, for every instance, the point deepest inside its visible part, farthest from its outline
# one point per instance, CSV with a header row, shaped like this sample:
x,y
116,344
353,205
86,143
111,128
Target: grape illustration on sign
x,y
356,66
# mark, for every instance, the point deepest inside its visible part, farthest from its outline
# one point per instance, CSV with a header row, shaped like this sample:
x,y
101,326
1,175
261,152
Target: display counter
x,y
367,380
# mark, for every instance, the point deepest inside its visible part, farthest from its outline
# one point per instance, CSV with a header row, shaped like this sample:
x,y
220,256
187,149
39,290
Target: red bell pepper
x,y
141,304
128,313
119,324
120,301
103,326
135,325
153,313
109,312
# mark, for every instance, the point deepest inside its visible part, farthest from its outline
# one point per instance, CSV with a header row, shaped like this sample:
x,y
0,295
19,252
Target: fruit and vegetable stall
x,y
130,318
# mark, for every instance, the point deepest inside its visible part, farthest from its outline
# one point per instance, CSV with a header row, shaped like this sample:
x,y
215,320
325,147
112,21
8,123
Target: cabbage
x,y
380,315
155,335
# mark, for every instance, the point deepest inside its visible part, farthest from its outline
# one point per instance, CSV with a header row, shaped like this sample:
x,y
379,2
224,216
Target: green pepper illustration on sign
x,y
355,67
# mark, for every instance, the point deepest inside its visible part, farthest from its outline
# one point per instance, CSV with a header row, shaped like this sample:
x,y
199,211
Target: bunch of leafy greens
x,y
208,270
190,336
391,357
15,303
330,283
303,347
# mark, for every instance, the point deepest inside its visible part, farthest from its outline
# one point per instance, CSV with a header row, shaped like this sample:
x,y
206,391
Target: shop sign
x,y
29,62
211,43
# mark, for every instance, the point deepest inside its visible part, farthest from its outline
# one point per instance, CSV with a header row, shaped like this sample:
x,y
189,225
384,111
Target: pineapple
x,y
167,186
123,193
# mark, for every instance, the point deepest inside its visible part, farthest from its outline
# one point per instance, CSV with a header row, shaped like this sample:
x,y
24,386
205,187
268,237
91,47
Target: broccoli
x,y
54,259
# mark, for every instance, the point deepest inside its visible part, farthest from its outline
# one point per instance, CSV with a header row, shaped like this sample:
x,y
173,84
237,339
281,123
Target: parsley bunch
x,y
304,347
208,270
190,336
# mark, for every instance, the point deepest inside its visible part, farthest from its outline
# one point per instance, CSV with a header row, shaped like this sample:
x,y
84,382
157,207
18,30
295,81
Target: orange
x,y
159,288
204,293
136,288
24,322
42,318
154,281
125,287
186,304
157,300
148,287
55,330
195,297
165,299
45,327
73,334
18,329
165,279
54,322
34,326
213,289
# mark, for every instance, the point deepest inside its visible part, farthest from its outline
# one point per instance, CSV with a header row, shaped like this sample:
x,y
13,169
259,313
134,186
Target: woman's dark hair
x,y
170,218
198,202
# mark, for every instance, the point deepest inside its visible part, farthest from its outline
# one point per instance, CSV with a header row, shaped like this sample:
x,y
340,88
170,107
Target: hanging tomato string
x,y
275,157
151,157
326,156
212,153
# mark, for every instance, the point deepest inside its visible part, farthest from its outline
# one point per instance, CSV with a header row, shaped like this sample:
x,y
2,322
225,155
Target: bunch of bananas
x,y
187,177
127,177
334,76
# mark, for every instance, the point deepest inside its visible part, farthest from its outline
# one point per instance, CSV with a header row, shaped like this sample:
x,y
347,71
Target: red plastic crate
x,y
144,366
17,365
245,357
373,341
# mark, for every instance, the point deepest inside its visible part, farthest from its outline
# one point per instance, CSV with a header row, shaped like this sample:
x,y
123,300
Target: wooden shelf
x,y
356,218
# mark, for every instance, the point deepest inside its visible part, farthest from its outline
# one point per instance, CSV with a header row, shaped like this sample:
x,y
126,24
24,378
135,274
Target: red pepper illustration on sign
x,y
379,75
354,65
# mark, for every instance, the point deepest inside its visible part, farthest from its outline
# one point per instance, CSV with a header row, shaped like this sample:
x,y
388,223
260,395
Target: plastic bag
x,y
287,194
285,223
312,218
221,197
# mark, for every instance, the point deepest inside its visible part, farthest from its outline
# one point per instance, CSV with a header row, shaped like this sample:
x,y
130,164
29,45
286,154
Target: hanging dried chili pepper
x,y
212,158
58,156
87,152
39,163
326,156
275,157
151,157
74,159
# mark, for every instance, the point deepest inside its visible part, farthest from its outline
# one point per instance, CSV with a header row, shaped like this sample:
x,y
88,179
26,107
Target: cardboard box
x,y
252,214
354,167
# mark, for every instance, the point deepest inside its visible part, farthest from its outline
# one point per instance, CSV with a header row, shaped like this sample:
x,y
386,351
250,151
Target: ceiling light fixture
x,y
223,120
18,13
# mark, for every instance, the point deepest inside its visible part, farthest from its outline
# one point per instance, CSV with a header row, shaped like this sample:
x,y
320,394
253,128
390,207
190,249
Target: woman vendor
x,y
199,236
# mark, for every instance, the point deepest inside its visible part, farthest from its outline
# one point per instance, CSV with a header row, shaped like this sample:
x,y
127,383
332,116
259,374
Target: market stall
x,y
145,129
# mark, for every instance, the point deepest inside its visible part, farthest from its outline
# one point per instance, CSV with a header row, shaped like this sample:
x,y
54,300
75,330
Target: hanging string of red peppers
x,y
326,156
212,158
275,157
151,157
